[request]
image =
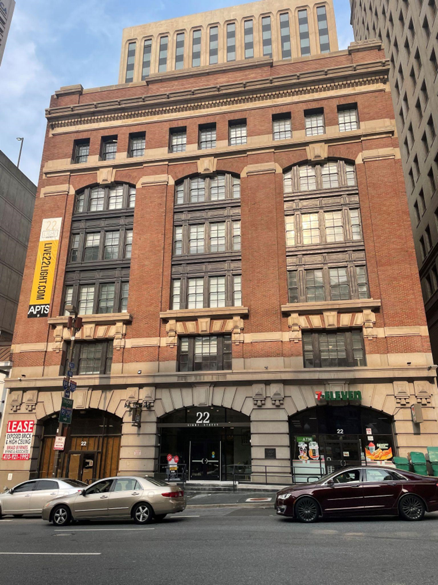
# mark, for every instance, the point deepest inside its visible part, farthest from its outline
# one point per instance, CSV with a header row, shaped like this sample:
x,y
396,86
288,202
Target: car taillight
x,y
172,494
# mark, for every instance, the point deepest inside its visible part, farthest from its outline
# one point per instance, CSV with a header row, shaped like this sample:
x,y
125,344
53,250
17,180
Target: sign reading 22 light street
x,y
332,396
66,412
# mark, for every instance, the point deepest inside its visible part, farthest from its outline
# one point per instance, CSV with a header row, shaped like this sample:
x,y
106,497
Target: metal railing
x,y
264,474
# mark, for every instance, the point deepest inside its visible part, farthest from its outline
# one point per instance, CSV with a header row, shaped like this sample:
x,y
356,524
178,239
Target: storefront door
x,y
341,452
82,466
205,460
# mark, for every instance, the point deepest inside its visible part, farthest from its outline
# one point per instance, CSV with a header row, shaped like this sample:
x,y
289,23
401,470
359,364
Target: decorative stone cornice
x,y
219,96
339,306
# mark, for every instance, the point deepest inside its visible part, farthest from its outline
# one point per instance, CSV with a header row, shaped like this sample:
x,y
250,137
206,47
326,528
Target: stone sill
x,y
350,306
103,318
308,376
212,313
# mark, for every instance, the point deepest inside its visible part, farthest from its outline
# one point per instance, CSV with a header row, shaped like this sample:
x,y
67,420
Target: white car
x,y
31,496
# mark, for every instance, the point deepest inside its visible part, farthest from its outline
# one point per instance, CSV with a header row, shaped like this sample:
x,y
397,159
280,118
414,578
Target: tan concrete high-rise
x,y
408,31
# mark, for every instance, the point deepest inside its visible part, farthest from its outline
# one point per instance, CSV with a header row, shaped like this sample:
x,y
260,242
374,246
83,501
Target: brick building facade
x,y
237,240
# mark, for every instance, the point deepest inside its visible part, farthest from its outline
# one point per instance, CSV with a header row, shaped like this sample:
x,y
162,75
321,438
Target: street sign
x,y
169,457
73,386
65,384
67,393
71,366
59,444
66,412
69,373
176,459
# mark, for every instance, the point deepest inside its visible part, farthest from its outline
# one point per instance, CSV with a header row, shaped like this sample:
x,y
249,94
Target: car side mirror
x,y
83,493
11,491
330,483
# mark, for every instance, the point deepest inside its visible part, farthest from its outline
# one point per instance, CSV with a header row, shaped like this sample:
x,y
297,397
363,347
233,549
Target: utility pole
x,y
74,325
21,148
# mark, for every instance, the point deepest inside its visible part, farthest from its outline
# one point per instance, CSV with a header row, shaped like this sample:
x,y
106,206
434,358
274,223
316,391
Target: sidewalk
x,y
236,499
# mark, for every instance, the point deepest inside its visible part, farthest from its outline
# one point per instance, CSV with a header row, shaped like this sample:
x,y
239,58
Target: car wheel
x,y
61,516
142,514
306,510
412,507
160,517
17,515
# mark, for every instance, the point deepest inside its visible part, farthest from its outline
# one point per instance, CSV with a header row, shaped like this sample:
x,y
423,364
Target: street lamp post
x,y
74,324
21,148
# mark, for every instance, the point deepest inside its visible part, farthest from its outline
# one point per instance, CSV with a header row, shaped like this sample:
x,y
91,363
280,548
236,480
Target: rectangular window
x,y
179,194
91,250
179,51
147,51
111,251
130,63
267,36
334,226
348,118
196,239
304,33
285,37
231,41
315,291
80,203
339,285
197,190
236,236
162,58
217,291
333,350
109,148
68,298
236,187
291,238
362,282
214,45
74,248
115,200
351,174
128,243
281,126
330,179
178,241
206,353
249,39
356,226
97,199
207,136
106,298
176,295
137,143
237,132
237,291
81,150
178,139
324,41
86,300
314,122
292,286
94,358
217,237
217,188
196,48
124,292
307,178
311,232
195,296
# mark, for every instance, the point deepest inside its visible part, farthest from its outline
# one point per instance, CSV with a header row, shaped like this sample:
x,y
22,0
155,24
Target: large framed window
x,y
249,39
331,175
267,36
207,291
105,245
286,52
231,41
98,297
179,51
348,118
97,199
207,238
196,48
328,283
303,24
108,148
204,353
178,139
130,63
237,132
92,357
314,122
281,126
323,227
137,143
207,136
333,349
214,45
81,150
324,40
162,57
220,187
147,52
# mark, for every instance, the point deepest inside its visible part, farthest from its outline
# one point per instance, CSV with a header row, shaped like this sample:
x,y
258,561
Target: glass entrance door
x,y
341,452
205,460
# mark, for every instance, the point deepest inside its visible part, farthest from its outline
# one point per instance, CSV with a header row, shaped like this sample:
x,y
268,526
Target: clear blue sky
x,y
62,42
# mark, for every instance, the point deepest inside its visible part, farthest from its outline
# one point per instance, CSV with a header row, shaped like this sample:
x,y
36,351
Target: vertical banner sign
x,y
43,277
18,441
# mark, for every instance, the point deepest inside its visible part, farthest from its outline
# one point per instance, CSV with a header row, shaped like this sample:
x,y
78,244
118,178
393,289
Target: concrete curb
x,y
242,505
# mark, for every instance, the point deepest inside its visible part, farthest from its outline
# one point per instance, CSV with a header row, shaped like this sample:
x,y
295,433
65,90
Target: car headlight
x,y
47,505
283,496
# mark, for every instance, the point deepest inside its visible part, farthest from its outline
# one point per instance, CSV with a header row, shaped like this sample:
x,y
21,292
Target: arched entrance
x,y
92,448
209,441
329,437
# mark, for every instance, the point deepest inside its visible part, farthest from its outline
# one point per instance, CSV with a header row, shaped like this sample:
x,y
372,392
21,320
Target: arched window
x,y
114,197
330,175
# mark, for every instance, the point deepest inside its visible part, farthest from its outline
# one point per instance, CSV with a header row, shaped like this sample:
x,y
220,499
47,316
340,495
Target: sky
x,y
53,43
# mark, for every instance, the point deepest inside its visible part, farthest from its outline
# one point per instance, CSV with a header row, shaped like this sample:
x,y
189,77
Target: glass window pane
x,y
178,140
285,36
116,197
97,198
74,248
178,241
356,227
130,63
132,192
124,292
307,178
86,300
304,33
292,285
362,282
179,51
339,284
314,124
231,42
195,297
180,194
315,291
68,298
282,128
207,137
128,243
176,294
351,174
249,39
197,190
236,236
330,178
196,239
267,36
217,291
196,48
238,134
236,187
91,251
147,50
334,226
324,41
217,237
106,298
162,61
112,240
237,291
290,231
348,119
214,45
311,232
80,202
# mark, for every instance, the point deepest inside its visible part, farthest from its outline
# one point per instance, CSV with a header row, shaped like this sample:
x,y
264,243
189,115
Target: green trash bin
x,y
401,463
419,462
433,458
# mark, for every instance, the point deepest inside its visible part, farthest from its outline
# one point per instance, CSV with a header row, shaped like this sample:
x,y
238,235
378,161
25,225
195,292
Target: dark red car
x,y
359,491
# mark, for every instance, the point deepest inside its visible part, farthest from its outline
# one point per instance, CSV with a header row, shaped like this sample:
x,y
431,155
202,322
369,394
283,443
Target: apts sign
x,y
338,395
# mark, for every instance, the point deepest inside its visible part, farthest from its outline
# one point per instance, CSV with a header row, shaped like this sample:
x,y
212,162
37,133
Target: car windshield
x,y
154,481
74,483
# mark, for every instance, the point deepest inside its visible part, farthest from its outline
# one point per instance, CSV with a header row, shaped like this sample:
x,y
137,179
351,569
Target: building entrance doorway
x,y
210,442
92,448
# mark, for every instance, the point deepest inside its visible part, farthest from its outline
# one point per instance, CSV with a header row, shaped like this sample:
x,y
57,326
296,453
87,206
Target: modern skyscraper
x,y
6,12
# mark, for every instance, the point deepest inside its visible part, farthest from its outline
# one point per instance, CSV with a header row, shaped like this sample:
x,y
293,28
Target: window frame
x,y
105,153
242,137
77,145
223,355
132,138
106,355
349,336
177,146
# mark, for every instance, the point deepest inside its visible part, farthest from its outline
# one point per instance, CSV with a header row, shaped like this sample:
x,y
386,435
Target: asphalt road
x,y
221,546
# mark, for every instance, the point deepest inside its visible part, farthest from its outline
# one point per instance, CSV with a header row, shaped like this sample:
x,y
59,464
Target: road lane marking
x,y
71,530
68,554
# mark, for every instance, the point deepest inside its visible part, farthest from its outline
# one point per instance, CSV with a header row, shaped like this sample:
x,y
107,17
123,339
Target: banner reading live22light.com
x,y
43,277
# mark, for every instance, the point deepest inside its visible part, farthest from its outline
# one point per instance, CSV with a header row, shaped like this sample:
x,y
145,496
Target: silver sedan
x,y
31,496
141,498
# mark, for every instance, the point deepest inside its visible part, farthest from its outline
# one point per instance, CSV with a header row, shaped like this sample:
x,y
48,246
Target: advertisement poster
x,y
378,452
44,274
18,441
